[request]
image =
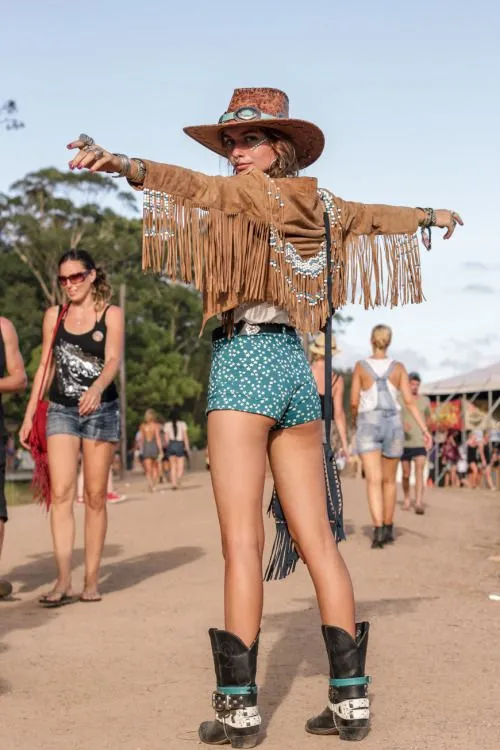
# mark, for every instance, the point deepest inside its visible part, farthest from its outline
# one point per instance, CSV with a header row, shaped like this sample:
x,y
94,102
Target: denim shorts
x,y
267,374
102,425
175,448
380,430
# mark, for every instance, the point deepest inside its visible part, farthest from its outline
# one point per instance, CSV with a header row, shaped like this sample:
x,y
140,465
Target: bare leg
x,y
181,462
63,452
406,471
296,461
389,468
372,466
237,444
419,481
148,470
174,471
2,534
97,458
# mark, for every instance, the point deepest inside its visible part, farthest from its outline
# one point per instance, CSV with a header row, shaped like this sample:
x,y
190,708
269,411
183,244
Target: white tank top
x,y
368,398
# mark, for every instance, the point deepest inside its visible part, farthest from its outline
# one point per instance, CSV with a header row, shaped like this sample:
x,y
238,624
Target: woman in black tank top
x,y
83,414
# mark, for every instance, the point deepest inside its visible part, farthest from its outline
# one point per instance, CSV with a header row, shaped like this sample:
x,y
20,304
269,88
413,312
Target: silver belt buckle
x,y
249,329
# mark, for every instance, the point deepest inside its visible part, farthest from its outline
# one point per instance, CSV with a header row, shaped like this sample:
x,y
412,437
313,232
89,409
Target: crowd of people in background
x,y
162,448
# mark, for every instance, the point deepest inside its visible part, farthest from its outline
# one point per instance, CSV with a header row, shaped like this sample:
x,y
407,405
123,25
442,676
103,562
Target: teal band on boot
x,y
350,681
243,690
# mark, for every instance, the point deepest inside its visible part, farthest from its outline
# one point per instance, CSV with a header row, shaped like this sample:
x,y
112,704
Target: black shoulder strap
x,y
328,332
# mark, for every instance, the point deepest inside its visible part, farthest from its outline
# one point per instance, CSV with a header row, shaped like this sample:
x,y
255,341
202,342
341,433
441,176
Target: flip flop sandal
x,y
61,602
90,598
419,511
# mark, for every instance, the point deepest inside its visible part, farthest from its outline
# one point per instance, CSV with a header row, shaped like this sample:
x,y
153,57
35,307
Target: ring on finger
x,y
87,139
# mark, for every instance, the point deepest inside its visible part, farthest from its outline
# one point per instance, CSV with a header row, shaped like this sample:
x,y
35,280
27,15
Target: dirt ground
x,y
134,672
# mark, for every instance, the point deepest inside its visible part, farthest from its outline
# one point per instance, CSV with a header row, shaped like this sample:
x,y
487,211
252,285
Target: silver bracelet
x,y
141,172
124,165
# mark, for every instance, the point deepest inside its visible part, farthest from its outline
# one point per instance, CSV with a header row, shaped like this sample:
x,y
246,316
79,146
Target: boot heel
x,y
353,734
242,742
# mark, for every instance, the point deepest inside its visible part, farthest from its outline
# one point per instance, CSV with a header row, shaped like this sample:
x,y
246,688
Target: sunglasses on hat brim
x,y
247,114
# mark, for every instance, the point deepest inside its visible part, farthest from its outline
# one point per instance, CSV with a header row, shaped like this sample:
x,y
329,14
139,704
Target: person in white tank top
x,y
177,446
377,383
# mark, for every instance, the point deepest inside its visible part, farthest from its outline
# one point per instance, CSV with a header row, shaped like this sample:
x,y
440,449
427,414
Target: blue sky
x,y
406,94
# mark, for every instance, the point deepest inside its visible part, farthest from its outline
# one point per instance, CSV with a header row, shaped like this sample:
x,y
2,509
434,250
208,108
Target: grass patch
x,y
18,493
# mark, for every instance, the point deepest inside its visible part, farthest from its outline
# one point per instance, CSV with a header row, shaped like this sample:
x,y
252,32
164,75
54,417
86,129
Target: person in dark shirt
x,y
83,414
12,379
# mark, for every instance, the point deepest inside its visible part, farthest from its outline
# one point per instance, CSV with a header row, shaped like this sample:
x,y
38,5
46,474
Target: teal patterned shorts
x,y
267,374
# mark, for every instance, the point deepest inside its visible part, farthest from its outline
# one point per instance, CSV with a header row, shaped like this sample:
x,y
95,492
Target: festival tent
x,y
470,401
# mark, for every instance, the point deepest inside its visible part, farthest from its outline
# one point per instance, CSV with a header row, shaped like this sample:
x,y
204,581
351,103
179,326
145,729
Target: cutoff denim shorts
x,y
264,373
102,425
380,430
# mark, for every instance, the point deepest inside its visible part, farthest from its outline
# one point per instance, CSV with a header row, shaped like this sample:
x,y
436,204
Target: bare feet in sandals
x,y
58,597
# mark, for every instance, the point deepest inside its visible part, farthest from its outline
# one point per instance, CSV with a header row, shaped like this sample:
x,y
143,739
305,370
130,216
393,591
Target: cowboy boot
x,y
388,533
348,711
378,537
237,717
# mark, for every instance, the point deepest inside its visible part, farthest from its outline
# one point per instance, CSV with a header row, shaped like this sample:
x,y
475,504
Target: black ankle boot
x,y
348,711
237,718
378,537
388,533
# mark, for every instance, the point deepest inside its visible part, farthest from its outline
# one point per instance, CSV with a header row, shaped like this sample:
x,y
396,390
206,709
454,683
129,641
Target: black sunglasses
x,y
73,278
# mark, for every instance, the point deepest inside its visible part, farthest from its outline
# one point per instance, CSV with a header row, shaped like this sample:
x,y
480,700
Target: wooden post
x,y
123,393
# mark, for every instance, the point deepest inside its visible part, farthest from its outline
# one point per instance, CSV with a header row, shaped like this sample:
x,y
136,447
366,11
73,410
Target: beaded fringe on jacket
x,y
235,259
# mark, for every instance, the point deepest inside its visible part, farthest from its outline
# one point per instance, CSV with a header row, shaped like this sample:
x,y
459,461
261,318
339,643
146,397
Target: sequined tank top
x,y
79,360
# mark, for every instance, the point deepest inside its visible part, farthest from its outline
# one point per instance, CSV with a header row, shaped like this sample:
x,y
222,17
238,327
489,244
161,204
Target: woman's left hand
x,y
90,401
447,220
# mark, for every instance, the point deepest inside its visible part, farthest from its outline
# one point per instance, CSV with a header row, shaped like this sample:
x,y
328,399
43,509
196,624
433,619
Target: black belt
x,y
250,329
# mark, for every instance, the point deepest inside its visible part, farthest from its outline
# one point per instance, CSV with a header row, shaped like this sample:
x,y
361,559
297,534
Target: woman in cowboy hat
x,y
254,244
317,352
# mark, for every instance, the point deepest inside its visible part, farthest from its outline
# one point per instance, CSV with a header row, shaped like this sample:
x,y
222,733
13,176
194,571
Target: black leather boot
x,y
348,710
378,537
388,533
237,717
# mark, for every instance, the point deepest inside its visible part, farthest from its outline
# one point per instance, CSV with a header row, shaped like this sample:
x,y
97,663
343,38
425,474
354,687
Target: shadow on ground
x,y
398,532
41,569
300,648
115,576
127,573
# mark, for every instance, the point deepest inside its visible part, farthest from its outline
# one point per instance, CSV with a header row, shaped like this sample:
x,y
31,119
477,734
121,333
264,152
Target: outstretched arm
x,y
365,218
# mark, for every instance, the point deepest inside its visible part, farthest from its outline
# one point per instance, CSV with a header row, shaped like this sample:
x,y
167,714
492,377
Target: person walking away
x,y
485,453
317,351
377,383
414,446
83,414
151,447
450,459
473,461
177,446
12,380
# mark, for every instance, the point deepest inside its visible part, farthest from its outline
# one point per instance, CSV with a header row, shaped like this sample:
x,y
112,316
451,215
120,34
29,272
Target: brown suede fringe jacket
x,y
250,238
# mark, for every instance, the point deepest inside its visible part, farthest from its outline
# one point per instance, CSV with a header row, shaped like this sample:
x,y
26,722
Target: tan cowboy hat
x,y
318,345
265,108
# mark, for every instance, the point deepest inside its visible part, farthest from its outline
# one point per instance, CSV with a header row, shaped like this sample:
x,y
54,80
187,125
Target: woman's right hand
x,y
94,157
25,431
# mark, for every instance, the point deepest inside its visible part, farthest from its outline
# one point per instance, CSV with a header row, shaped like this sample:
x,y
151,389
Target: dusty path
x,y
134,672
